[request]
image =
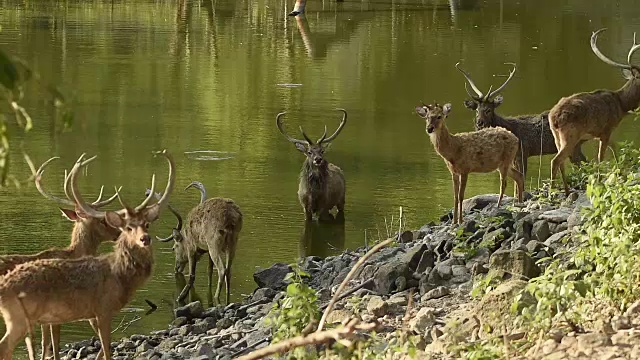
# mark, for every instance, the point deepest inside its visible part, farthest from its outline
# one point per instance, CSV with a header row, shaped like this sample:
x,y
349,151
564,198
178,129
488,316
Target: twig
x,y
349,292
348,278
253,303
127,324
506,344
340,335
405,319
119,325
211,337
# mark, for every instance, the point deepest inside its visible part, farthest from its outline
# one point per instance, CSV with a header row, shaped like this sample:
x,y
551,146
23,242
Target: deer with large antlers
x,y
214,224
56,291
594,114
322,185
87,235
479,151
532,130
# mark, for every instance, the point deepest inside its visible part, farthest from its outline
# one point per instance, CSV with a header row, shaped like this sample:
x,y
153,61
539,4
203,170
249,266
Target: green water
x,y
204,75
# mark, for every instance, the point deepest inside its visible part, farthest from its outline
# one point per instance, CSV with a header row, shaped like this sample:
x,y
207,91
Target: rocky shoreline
x,y
436,265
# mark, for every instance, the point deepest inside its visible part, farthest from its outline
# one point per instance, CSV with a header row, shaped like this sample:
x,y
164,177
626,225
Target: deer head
x,y
484,104
96,224
629,71
313,151
143,214
434,115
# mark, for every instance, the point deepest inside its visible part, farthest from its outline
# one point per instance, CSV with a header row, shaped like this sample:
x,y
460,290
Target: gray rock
x,y
469,227
190,311
534,246
523,229
413,255
427,260
203,325
385,277
425,286
184,330
557,215
205,350
272,277
145,346
556,228
496,236
376,306
541,230
423,320
224,323
480,202
263,293
401,283
445,271
179,321
513,263
436,293
397,303
459,270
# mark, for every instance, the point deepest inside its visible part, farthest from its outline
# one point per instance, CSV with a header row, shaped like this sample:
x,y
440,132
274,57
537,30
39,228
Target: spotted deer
x,y
322,185
56,291
594,114
532,130
215,225
479,151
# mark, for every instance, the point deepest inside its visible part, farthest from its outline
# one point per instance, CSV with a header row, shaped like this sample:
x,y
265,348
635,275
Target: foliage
x,y
485,283
483,350
14,74
299,308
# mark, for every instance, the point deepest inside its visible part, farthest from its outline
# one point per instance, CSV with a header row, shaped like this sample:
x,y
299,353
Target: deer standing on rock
x,y
594,114
480,151
322,185
56,291
533,130
213,224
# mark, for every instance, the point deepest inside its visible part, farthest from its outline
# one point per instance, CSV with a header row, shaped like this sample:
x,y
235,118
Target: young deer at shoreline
x,y
533,131
322,185
56,291
214,224
594,114
479,151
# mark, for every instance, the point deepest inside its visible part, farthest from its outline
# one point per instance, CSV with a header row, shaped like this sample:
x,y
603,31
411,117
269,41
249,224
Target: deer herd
x,y
58,286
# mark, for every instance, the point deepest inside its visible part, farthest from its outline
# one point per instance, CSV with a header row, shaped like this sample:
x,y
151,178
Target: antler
x,y
342,123
513,71
79,201
177,228
479,93
594,47
293,140
633,49
41,190
170,182
198,185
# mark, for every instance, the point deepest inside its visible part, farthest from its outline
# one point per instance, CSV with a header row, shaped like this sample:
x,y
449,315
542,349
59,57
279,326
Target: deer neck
x,y
629,95
314,176
444,143
132,265
83,240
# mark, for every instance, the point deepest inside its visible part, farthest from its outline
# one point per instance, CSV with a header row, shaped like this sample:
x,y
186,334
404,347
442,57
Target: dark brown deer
x,y
214,224
56,291
532,130
480,151
594,114
322,185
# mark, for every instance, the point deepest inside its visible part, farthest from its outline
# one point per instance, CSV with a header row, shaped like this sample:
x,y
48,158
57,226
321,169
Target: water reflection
x,y
322,238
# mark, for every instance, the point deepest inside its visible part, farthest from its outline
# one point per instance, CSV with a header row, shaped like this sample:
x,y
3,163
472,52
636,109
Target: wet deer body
x,y
533,131
215,225
479,151
322,184
594,114
56,291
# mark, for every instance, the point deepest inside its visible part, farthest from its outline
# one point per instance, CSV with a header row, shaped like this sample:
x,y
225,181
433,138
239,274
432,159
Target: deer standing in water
x,y
533,130
214,224
594,114
322,185
480,151
56,291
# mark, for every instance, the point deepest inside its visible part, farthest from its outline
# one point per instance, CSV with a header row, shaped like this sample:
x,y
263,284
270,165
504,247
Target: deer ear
x,y
114,220
301,147
446,108
470,104
151,213
627,74
498,100
71,215
420,110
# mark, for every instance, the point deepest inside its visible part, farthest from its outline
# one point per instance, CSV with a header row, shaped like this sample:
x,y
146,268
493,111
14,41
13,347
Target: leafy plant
x,y
484,284
292,314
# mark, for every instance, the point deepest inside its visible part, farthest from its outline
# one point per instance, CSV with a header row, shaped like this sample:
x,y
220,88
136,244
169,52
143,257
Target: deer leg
x,y
55,340
227,275
29,342
577,156
192,278
602,149
104,333
518,178
456,187
16,328
221,272
462,187
46,341
503,185
94,326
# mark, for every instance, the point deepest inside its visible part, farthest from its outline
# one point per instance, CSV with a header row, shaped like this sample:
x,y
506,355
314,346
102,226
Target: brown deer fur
x,y
55,291
478,151
214,224
322,184
593,114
